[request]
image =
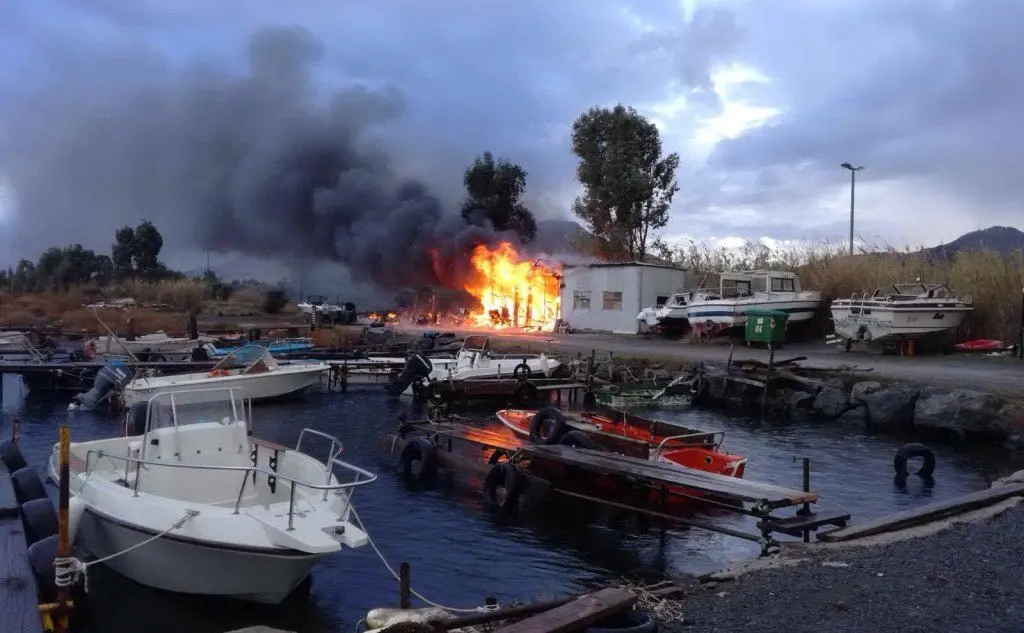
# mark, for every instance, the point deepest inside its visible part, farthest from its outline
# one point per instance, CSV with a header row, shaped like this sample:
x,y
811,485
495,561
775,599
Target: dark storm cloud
x,y
120,111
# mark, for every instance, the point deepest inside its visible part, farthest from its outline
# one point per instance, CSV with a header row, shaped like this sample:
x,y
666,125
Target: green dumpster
x,y
766,326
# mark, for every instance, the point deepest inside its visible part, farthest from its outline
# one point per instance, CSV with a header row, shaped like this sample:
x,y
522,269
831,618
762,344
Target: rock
x,y
863,389
661,375
830,403
891,406
1015,478
857,416
963,411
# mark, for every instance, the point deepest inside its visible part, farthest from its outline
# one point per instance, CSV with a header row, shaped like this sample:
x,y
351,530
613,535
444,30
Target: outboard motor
x,y
109,379
417,367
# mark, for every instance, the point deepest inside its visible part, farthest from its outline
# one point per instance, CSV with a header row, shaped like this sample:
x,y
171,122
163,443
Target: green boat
x,y
645,395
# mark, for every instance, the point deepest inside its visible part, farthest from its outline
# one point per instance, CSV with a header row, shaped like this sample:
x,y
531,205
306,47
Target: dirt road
x,y
983,372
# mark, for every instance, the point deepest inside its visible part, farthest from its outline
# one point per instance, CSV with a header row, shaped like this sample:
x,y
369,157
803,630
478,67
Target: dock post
x,y
806,508
56,615
404,592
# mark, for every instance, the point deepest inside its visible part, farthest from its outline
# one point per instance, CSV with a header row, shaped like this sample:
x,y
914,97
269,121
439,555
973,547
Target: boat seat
x,y
309,525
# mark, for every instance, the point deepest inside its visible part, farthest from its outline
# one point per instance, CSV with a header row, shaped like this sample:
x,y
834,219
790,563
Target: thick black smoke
x,y
256,163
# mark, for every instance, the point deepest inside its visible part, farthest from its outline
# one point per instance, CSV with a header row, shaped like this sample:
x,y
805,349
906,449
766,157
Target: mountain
x,y
1003,239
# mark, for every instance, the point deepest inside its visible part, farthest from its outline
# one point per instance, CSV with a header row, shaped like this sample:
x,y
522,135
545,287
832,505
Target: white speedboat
x,y
208,508
907,311
251,368
476,359
158,343
668,317
726,306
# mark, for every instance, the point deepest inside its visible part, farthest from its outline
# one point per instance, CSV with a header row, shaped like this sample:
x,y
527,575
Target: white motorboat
x,y
726,306
476,359
251,368
13,340
383,370
668,317
905,311
190,502
158,343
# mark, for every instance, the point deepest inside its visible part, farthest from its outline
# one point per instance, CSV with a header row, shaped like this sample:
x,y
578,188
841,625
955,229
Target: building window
x,y
661,301
782,285
581,300
611,300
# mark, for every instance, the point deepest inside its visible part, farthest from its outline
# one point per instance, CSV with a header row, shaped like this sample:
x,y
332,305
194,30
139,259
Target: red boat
x,y
699,450
981,345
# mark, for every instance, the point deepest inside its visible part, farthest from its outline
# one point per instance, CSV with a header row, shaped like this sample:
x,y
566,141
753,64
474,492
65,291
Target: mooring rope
x,y
391,569
68,569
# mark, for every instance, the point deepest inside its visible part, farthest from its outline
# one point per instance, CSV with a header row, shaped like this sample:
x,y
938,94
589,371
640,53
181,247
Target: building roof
x,y
624,265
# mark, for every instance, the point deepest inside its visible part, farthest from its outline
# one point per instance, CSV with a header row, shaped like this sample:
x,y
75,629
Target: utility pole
x,y
853,189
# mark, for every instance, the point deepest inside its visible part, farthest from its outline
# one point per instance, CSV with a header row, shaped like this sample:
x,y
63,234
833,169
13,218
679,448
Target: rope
x,y
398,578
68,569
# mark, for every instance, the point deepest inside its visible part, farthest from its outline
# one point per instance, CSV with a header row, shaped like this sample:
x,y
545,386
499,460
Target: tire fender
x,y
503,475
11,456
418,459
908,451
624,622
577,439
40,519
521,371
526,392
27,485
551,415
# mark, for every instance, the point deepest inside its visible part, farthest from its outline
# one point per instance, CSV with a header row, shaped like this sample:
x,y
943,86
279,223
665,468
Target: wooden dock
x,y
19,603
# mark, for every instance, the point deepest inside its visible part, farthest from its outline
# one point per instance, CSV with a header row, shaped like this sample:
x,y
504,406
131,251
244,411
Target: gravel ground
x,y
965,579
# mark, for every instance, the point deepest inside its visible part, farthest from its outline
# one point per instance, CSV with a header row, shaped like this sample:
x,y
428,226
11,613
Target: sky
x,y
763,100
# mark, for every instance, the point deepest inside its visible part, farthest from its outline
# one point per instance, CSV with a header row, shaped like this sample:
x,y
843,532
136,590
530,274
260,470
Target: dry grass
x,y
992,279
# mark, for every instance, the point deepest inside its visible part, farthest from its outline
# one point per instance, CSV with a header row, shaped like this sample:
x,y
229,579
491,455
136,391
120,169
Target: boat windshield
x,y
179,408
476,343
251,359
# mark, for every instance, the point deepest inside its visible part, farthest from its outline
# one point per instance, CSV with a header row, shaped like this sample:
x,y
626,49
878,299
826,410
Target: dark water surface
x,y
460,552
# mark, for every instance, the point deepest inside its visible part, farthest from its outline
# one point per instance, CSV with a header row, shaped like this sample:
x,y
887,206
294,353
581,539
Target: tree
x,y
494,190
122,251
628,186
146,251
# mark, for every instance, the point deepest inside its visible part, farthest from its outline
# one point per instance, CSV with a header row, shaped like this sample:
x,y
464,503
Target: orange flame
x,y
513,292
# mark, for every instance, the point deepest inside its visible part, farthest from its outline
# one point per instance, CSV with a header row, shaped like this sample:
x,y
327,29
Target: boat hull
x,y
885,323
733,312
276,384
172,563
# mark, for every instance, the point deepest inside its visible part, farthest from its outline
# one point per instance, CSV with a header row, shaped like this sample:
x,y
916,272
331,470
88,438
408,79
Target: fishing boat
x,y
670,443
899,311
189,501
644,394
158,343
725,307
251,368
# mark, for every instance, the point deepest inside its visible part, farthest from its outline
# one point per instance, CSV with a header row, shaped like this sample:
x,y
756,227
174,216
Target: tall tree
x,y
122,252
494,190
146,251
628,185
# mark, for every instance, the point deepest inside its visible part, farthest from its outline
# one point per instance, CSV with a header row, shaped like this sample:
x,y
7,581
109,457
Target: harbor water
x,y
460,551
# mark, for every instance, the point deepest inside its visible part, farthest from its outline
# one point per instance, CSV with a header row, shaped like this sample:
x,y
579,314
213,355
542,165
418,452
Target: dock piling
x,y
56,615
404,592
806,508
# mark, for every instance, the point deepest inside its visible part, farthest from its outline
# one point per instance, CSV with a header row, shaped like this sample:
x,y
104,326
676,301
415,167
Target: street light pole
x,y
853,189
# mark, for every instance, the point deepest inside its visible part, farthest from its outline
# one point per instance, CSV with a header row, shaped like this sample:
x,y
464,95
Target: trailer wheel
x,y
624,622
522,371
577,439
502,477
418,459
27,485
11,456
547,415
907,451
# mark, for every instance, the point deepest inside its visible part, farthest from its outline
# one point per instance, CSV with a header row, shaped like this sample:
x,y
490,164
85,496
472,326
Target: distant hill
x,y
1003,239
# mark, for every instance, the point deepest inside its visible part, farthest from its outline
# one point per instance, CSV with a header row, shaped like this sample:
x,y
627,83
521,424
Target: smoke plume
x,y
257,163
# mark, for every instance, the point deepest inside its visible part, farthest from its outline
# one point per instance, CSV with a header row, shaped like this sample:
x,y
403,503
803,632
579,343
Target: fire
x,y
513,292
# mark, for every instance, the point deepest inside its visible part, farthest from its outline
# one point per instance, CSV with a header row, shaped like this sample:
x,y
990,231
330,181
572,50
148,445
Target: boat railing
x,y
326,487
691,439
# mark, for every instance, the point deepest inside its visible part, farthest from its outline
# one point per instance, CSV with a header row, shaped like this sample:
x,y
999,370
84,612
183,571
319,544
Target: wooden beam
x,y
925,514
577,614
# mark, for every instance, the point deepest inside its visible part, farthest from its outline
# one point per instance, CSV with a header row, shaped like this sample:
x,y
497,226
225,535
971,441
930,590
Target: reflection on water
x,y
460,552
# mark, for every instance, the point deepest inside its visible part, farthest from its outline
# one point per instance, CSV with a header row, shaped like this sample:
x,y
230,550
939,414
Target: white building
x,y
607,297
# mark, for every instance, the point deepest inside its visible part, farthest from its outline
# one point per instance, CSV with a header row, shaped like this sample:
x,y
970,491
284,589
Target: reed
x,y
994,280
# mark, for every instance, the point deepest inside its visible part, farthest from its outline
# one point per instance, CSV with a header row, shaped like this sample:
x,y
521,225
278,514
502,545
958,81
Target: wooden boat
x,y
671,443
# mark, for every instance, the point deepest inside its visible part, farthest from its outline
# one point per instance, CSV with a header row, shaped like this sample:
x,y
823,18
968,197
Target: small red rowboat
x,y
690,448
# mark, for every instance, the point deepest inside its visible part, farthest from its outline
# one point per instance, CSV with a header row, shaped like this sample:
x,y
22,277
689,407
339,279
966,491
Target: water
x,y
461,552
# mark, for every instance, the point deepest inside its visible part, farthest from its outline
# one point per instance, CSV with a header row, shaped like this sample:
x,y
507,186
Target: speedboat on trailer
x,y
208,508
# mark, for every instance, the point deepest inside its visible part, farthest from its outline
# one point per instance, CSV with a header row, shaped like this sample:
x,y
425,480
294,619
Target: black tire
x,y
436,394
418,459
624,622
551,415
11,456
503,476
522,371
908,451
27,485
40,558
577,439
526,392
40,520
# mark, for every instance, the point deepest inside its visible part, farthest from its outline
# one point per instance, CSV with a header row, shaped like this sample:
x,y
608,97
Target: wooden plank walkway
x,y
575,615
925,514
485,437
19,605
656,472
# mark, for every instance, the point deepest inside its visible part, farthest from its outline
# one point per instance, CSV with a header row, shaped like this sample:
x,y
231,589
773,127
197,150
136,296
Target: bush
x,y
274,301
